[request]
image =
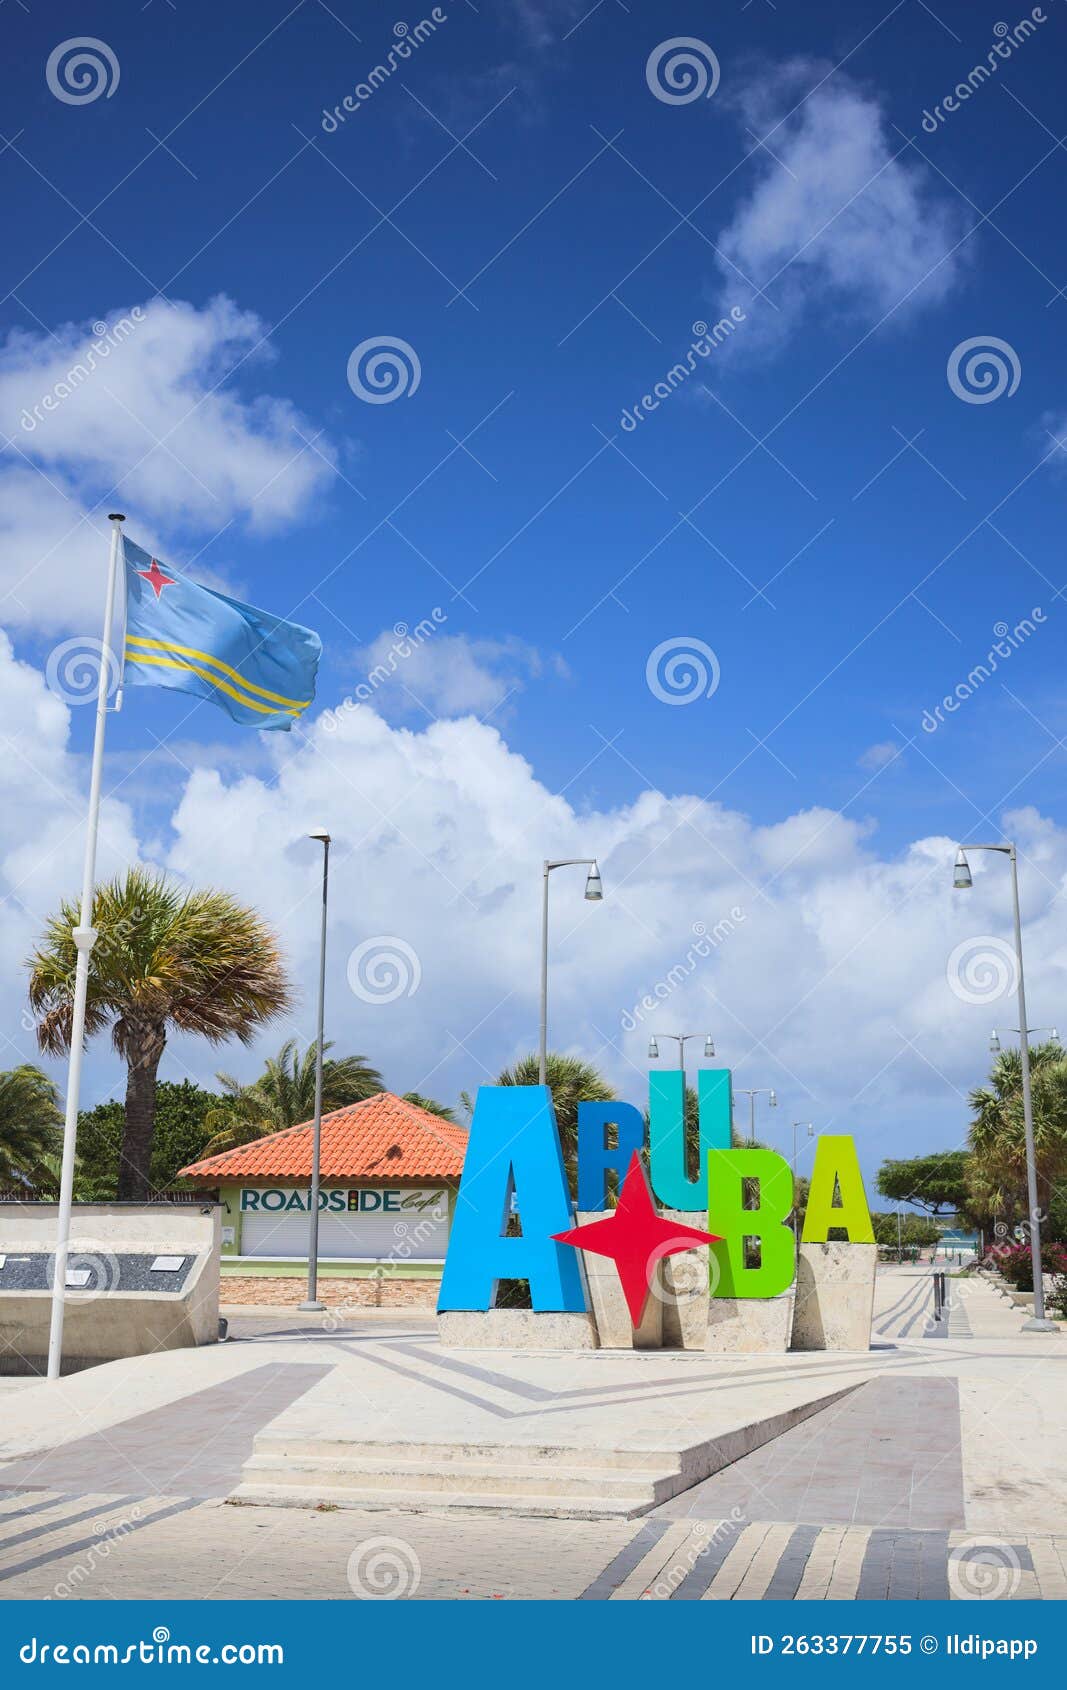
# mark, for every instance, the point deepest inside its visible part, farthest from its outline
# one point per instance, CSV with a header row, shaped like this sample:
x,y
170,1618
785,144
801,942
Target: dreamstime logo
x,y
73,670
405,43
681,670
677,975
384,1569
406,640
384,968
983,368
702,346
982,969
983,1569
1007,40
687,1276
105,339
81,69
384,368
1008,639
682,70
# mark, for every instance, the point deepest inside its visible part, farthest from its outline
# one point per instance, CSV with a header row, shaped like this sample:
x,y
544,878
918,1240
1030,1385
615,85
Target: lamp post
x,y
752,1094
681,1040
594,892
796,1217
811,1134
994,1037
312,1304
961,880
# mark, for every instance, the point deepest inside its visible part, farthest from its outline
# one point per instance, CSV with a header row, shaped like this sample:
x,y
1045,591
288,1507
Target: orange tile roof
x,y
382,1138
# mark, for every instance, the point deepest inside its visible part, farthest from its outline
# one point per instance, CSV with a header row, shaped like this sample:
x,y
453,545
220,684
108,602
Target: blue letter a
x,y
514,1146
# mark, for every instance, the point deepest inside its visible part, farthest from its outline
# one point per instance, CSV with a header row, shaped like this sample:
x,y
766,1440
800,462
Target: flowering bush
x,y
1014,1262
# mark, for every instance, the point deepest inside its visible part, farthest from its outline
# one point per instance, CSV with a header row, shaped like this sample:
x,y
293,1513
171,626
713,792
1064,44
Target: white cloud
x,y
439,674
825,974
818,962
878,756
837,220
143,418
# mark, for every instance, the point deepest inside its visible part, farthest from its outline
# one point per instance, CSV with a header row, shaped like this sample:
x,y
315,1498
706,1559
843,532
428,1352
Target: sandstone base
x,y
610,1313
515,1329
749,1325
834,1296
683,1286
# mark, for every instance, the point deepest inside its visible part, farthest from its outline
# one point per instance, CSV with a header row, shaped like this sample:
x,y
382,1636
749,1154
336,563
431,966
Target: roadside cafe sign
x,y
364,1200
514,1164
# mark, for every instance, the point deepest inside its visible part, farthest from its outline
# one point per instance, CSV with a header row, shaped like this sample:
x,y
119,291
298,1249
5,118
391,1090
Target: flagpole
x,y
84,937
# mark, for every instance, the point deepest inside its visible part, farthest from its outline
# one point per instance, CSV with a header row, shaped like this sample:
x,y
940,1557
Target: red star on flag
x,y
156,578
635,1237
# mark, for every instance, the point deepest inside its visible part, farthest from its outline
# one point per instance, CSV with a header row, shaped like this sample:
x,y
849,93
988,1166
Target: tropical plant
x,y
430,1104
30,1122
165,958
997,1168
935,1183
284,1095
181,1133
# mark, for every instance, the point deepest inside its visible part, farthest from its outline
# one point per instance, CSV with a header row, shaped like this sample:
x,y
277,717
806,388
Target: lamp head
x,y
594,891
994,1040
653,1049
709,1046
773,1100
320,833
961,874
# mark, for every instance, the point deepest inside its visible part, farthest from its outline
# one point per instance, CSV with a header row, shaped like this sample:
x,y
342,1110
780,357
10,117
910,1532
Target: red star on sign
x,y
635,1237
156,578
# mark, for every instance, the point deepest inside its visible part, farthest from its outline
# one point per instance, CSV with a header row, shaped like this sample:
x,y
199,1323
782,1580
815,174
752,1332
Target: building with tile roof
x,y
389,1171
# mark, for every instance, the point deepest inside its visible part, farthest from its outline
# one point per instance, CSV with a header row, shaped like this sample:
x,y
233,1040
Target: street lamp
x,y
312,1304
961,879
811,1134
594,892
681,1039
752,1094
994,1037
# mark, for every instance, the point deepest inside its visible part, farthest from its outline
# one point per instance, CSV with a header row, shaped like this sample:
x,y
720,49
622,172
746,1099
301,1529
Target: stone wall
x,y
274,1292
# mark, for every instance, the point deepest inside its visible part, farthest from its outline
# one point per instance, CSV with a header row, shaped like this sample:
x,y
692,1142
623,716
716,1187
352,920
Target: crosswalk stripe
x,y
844,1581
644,1575
764,1564
819,1570
737,1563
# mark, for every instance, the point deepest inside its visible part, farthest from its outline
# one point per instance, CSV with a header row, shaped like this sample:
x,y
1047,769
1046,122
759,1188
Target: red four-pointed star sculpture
x,y
156,578
636,1237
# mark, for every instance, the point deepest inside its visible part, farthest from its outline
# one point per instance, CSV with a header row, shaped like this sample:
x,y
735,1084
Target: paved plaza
x,y
939,1468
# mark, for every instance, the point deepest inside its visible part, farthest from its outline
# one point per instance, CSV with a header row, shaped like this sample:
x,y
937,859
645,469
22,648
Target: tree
x,y
284,1095
181,1136
30,1122
430,1104
934,1182
196,961
570,1081
998,1139
916,1231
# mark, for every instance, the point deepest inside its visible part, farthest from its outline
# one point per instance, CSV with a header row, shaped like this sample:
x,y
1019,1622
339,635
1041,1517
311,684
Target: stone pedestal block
x,y
834,1296
515,1329
614,1327
749,1325
683,1286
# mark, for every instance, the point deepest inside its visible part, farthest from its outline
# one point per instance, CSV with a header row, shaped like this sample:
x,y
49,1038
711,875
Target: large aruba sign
x,y
514,1163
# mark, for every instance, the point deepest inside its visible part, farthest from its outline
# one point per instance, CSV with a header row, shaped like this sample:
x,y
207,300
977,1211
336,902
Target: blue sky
x,y
816,504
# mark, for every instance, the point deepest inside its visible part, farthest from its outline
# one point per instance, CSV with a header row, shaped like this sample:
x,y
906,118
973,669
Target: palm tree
x,y
30,1120
196,961
570,1081
284,1095
431,1105
997,1172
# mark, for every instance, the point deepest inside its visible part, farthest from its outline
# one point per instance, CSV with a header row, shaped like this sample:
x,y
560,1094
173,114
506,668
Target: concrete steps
x,y
296,1468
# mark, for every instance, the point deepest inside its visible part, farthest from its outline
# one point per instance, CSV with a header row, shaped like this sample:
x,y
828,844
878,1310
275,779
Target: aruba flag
x,y
256,667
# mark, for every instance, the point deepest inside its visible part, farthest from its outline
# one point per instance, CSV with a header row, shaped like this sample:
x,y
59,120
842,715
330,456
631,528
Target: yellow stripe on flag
x,y
216,681
217,663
